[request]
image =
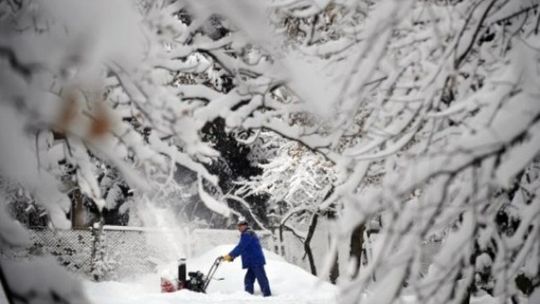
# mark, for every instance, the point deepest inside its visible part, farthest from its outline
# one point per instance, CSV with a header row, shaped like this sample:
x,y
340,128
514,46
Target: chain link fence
x,y
124,251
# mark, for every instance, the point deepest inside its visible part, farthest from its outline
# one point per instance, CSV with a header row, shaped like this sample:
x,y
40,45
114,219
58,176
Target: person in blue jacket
x,y
249,248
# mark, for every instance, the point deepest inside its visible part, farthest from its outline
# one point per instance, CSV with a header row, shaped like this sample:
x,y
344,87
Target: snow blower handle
x,y
211,272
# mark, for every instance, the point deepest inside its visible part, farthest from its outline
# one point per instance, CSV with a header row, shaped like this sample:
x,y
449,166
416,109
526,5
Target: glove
x,y
227,258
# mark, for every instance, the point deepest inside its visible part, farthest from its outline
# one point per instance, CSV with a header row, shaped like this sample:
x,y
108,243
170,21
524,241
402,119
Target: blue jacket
x,y
250,249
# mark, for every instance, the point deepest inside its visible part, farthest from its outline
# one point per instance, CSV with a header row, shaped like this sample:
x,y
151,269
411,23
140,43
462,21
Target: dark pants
x,y
257,272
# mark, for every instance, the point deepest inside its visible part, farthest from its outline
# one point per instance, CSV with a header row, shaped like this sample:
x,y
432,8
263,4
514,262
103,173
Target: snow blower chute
x,y
196,280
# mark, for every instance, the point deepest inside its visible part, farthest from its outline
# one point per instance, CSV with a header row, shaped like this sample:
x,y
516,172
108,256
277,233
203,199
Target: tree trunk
x,y
357,241
78,211
467,298
469,288
334,271
281,245
307,247
4,285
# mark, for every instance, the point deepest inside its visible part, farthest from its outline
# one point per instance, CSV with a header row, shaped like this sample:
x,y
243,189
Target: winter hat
x,y
241,221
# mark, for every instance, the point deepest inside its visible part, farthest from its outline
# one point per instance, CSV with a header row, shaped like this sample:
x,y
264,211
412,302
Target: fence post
x,y
97,255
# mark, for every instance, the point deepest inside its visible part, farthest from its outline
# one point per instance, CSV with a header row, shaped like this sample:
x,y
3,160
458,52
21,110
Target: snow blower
x,y
197,281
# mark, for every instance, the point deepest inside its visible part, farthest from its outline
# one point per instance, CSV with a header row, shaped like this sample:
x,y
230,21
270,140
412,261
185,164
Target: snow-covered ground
x,y
289,284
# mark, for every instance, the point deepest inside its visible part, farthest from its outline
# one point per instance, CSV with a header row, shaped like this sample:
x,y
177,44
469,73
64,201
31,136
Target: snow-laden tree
x,y
428,110
296,180
441,96
129,85
431,119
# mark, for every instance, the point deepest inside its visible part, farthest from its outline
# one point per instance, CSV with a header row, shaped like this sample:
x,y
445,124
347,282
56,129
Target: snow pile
x,y
289,284
41,280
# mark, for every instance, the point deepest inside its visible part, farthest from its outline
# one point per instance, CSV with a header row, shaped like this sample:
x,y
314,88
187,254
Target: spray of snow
x,y
166,234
